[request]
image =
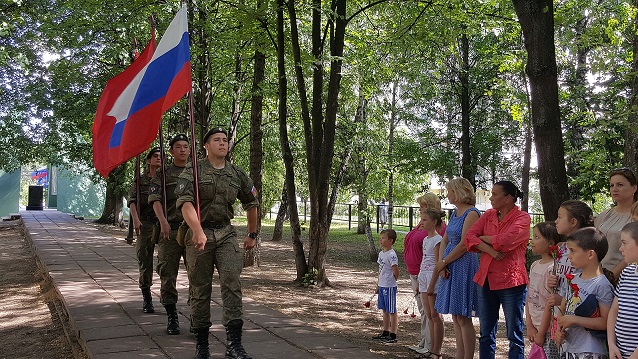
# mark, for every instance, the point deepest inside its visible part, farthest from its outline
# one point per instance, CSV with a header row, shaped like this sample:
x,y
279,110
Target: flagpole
x,y
194,154
163,169
137,185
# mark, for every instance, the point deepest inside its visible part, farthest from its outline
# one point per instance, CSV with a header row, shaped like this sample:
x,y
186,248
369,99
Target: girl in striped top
x,y
622,333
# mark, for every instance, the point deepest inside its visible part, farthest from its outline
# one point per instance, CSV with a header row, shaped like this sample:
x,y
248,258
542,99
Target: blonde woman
x,y
413,254
457,292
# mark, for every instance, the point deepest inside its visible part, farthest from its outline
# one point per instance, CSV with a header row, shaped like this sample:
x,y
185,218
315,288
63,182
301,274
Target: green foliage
x,y
310,278
56,56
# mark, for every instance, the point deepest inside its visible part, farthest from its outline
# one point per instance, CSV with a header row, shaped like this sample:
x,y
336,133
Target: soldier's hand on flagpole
x,y
199,240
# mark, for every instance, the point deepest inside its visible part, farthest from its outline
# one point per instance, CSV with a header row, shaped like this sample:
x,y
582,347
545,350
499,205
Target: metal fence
x,y
404,218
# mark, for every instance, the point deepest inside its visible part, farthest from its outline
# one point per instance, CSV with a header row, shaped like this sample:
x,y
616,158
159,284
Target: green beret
x,y
213,131
150,153
179,137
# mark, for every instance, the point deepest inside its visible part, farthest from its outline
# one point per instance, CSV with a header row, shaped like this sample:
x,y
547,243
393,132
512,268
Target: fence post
x,y
349,216
410,215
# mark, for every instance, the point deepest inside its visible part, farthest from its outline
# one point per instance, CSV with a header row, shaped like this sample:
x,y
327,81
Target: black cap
x,y
179,137
213,131
150,153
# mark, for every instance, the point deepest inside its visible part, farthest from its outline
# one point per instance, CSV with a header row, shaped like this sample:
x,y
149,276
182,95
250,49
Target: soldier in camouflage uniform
x,y
169,250
213,242
145,227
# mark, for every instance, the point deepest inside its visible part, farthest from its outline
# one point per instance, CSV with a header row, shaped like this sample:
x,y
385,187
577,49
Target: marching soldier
x,y
145,227
169,250
214,243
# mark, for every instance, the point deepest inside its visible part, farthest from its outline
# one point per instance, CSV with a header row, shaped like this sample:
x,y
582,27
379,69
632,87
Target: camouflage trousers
x,y
145,247
222,252
169,253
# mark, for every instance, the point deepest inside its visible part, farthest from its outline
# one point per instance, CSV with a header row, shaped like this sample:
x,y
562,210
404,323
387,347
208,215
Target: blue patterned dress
x,y
457,294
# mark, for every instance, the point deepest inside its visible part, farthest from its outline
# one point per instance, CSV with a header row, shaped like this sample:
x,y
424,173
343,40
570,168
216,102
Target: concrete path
x,y
96,278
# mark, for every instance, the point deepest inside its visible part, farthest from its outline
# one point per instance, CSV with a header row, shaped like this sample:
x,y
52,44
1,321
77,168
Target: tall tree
x,y
537,22
290,188
631,133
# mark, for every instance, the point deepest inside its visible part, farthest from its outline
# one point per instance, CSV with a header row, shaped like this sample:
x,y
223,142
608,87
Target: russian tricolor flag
x,y
132,104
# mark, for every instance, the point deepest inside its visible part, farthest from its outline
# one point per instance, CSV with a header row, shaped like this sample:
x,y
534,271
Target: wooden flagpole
x,y
194,154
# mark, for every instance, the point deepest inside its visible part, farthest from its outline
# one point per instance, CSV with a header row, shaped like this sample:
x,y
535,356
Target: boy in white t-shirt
x,y
387,286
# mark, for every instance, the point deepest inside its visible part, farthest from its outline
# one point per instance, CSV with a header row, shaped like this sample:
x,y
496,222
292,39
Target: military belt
x,y
215,224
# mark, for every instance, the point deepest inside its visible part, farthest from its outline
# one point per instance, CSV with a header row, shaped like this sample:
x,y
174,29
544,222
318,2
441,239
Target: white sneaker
x,y
423,350
416,348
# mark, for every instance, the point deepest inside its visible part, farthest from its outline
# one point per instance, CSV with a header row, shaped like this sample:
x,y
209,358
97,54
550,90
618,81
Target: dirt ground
x,y
30,327
340,309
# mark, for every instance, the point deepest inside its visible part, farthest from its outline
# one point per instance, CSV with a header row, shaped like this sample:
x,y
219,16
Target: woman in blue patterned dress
x,y
457,292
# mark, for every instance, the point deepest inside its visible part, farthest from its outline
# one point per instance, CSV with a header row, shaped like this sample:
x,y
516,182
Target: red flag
x,y
105,158
130,111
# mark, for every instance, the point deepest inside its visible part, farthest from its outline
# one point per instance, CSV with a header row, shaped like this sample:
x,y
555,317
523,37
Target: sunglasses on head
x,y
626,171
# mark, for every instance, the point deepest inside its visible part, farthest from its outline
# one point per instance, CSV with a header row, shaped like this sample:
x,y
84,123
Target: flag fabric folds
x,y
130,110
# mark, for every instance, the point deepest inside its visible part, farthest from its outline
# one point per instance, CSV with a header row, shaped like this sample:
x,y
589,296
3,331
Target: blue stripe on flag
x,y
116,135
160,74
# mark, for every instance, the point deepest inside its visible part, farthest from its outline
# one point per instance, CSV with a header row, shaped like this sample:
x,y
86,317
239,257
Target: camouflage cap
x,y
213,131
178,137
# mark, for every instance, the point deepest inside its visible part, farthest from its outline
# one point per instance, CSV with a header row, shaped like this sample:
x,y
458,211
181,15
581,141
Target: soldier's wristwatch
x,y
252,235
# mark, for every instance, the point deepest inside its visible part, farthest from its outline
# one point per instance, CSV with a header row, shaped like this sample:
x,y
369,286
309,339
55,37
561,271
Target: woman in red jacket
x,y
502,235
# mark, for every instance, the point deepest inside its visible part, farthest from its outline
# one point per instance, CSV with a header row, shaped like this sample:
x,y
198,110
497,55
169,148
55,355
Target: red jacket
x,y
511,236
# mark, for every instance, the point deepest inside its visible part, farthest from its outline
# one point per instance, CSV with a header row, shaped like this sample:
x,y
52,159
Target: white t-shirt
x,y
429,257
591,293
537,290
386,261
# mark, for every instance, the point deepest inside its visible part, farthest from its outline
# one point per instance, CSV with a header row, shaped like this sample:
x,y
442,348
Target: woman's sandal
x,y
431,355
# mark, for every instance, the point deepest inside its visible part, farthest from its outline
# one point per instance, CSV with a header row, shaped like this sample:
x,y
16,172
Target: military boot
x,y
201,349
147,307
173,322
233,335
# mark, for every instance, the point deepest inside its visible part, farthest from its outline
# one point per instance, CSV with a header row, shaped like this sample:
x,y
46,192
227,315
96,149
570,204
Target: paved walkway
x,y
96,278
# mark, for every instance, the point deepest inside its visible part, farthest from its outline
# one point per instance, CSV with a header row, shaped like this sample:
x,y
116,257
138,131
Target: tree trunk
x,y
393,123
113,203
537,22
338,179
293,214
256,133
234,119
575,131
464,79
631,133
277,233
527,156
202,94
527,152
362,191
373,253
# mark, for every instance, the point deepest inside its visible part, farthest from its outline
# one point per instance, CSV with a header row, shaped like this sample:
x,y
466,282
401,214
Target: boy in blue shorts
x,y
387,286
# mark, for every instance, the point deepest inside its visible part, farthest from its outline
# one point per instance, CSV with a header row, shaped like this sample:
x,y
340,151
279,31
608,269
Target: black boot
x,y
147,307
201,350
173,322
233,335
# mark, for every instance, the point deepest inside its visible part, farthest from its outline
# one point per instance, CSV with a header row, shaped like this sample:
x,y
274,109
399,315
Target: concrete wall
x,y
9,192
78,194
